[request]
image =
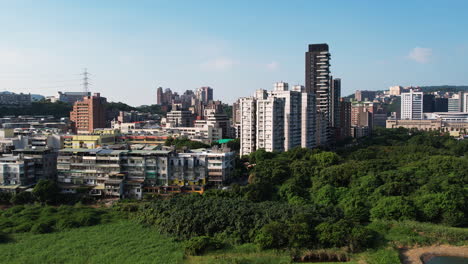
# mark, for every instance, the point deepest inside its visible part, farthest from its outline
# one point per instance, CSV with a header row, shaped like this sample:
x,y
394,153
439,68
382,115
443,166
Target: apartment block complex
x,y
8,99
89,114
131,173
16,172
278,120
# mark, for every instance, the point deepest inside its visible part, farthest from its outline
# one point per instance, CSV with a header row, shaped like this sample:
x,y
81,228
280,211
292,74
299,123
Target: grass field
x,y
122,242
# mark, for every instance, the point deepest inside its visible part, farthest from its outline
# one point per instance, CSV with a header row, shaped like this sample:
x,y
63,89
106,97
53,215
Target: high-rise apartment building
x,y
270,127
335,102
345,119
248,125
317,76
160,95
204,94
292,114
89,114
412,105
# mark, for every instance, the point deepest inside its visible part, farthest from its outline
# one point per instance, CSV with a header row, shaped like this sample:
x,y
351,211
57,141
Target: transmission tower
x,y
86,82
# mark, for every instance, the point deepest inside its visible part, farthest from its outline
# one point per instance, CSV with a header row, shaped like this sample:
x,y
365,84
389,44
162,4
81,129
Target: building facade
x,y
412,105
89,114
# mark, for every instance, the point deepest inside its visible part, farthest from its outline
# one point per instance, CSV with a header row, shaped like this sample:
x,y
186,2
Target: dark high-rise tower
x,y
160,95
317,77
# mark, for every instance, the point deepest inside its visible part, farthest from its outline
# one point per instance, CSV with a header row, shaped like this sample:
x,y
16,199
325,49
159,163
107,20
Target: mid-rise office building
x,y
412,105
440,105
89,114
179,118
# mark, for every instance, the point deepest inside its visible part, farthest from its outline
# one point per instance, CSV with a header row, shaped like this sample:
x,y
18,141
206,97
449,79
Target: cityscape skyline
x,y
45,46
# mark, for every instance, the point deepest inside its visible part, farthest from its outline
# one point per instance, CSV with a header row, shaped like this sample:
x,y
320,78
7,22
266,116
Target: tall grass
x,y
120,242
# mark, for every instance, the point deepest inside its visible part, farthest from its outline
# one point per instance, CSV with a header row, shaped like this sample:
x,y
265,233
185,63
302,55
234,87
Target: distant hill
x,y
445,88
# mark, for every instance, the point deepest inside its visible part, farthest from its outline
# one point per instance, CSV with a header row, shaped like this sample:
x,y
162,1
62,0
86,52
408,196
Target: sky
x,y
236,47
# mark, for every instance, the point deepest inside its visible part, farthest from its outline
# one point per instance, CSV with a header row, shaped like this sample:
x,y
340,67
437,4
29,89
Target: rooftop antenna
x,y
86,82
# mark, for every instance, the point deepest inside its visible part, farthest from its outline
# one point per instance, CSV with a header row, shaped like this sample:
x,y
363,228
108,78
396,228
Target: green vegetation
x,y
366,198
58,109
39,219
120,242
398,188
184,142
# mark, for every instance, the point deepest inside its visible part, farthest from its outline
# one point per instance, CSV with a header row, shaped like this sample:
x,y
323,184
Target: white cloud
x,y
272,66
219,64
421,55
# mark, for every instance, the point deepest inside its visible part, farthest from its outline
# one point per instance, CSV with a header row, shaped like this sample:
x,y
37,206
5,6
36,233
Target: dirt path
x,y
418,255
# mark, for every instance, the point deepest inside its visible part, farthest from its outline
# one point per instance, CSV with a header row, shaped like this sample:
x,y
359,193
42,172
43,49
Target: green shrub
x,y
42,228
198,245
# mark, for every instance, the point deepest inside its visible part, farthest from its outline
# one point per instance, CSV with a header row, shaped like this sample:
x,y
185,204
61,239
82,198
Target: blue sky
x,y
236,47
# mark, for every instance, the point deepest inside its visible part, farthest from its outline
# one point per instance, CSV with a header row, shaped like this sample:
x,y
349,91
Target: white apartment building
x,y
412,105
292,114
279,120
270,124
248,125
308,120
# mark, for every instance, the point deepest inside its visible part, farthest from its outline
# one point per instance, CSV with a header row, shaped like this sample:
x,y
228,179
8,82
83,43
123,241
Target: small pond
x,y
447,260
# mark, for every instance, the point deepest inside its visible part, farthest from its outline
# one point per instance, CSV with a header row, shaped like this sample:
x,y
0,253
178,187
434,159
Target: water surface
x,y
448,260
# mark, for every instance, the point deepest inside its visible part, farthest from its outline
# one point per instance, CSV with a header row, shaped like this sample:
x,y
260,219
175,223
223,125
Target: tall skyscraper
x,y
317,76
89,114
412,105
160,95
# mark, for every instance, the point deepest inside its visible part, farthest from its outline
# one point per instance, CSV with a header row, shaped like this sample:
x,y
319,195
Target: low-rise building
x,y
16,173
131,173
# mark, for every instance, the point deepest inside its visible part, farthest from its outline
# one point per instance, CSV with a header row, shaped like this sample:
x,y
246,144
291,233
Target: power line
x,y
86,82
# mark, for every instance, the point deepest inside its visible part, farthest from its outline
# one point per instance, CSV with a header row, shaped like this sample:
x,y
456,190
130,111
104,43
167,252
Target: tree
x,y
272,236
46,191
393,208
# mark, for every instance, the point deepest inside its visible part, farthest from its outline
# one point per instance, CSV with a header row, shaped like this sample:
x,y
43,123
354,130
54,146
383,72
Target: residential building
x,y
308,119
16,172
204,94
89,114
292,114
71,97
317,76
45,161
248,125
8,99
412,105
395,90
270,126
131,173
364,95
345,119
